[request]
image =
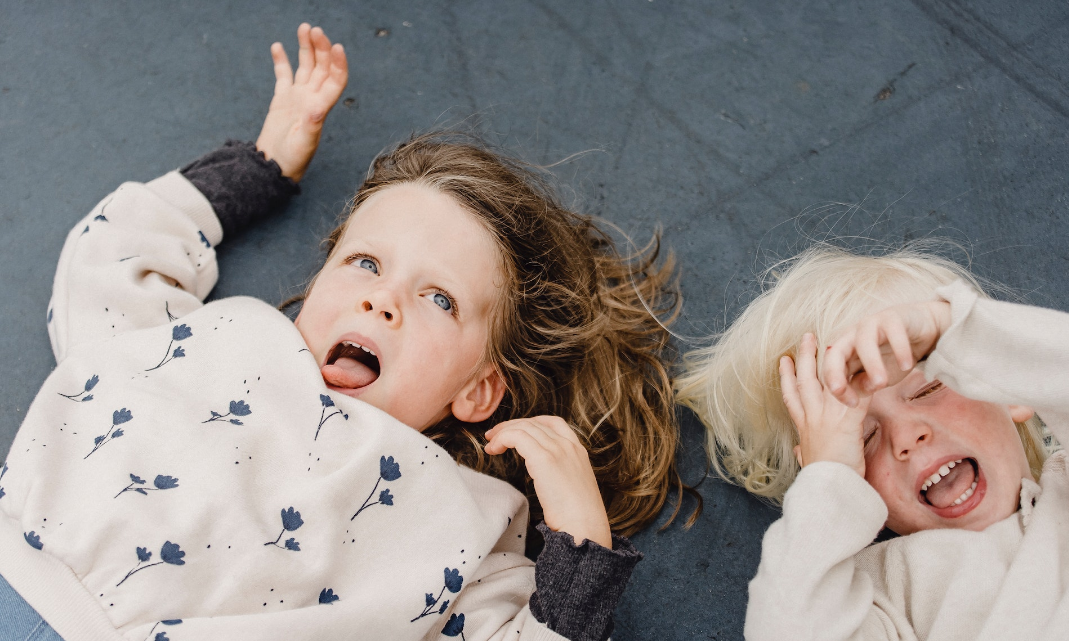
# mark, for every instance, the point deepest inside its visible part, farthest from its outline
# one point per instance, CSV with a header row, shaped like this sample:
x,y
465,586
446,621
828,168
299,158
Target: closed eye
x,y
870,433
928,390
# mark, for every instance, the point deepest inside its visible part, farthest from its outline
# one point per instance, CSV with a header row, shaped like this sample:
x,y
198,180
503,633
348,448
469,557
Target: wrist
x,y
595,532
940,310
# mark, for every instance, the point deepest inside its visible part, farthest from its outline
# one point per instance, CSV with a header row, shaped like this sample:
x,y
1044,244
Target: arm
x,y
145,255
1005,353
807,584
576,590
583,569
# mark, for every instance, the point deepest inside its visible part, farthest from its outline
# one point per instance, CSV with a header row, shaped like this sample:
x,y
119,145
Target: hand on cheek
x,y
560,468
827,429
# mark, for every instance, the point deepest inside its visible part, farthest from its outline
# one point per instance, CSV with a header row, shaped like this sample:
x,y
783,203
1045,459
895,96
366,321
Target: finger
x,y
321,50
283,71
559,428
305,57
798,455
339,66
809,386
898,338
870,339
788,383
526,426
837,370
524,441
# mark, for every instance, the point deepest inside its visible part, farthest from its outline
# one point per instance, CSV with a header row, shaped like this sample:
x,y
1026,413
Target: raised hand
x,y
883,348
560,468
302,101
827,429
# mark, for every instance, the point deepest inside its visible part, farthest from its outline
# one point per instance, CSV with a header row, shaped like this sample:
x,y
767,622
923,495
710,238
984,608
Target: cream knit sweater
x,y
820,579
185,471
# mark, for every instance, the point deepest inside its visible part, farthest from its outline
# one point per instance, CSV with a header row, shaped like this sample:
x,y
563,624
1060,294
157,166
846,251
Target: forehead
x,y
421,225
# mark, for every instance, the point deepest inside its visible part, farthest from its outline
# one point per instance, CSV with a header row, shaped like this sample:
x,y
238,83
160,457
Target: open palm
x,y
302,101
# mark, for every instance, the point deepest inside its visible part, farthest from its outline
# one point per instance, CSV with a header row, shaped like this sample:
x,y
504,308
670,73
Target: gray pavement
x,y
745,129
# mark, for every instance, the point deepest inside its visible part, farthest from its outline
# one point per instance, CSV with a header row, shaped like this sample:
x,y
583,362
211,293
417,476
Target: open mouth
x,y
350,365
953,486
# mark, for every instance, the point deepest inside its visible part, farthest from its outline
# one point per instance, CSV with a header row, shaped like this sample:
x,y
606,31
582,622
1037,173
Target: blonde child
x,y
214,471
907,398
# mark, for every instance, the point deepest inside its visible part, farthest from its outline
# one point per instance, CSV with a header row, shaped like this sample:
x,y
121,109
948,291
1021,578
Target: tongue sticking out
x,y
348,373
945,492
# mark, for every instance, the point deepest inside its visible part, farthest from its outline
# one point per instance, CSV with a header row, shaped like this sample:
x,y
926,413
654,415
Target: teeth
x,y
939,474
965,495
352,344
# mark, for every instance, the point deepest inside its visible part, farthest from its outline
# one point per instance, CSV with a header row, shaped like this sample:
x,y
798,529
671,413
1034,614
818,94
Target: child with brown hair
x,y
889,391
221,472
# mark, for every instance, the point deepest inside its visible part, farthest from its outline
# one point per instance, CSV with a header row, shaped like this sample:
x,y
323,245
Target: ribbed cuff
x,y
240,183
578,586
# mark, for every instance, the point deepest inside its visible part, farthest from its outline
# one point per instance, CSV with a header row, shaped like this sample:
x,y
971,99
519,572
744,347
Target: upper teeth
x,y
939,474
352,344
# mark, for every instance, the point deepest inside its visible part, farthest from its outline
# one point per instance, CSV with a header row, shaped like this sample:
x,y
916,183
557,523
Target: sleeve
x,y
577,587
142,257
145,255
241,184
1005,353
808,585
493,604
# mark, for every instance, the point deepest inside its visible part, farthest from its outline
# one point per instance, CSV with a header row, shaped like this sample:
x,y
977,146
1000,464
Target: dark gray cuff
x,y
240,183
577,587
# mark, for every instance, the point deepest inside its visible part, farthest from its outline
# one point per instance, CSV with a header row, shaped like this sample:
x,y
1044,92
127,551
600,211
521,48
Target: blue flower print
x,y
327,596
161,636
389,470
291,520
161,482
237,408
454,626
167,308
170,553
453,580
33,539
100,217
118,417
3,471
89,385
178,333
453,583
327,403
204,239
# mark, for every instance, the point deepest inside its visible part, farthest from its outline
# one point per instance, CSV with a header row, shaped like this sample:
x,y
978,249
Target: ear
x,y
479,398
1021,413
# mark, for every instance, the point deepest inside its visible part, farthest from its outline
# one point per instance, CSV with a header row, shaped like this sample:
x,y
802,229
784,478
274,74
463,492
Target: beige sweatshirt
x,y
184,469
820,578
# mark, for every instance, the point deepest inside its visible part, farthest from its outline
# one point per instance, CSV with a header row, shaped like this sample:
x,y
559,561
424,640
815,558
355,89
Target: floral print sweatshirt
x,y
185,474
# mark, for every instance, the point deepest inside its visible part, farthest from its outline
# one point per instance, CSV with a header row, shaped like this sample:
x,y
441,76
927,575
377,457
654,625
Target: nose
x,y
383,302
907,435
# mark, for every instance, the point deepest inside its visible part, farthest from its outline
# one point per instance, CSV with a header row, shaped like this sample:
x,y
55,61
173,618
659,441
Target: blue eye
x,y
441,300
368,264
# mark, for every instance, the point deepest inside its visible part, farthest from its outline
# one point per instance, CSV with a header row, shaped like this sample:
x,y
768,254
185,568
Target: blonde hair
x,y
733,383
579,333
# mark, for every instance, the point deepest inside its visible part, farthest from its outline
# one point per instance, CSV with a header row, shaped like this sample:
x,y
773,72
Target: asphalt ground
x,y
744,130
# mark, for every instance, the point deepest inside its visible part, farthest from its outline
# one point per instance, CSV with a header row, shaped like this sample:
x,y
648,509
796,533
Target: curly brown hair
x,y
580,333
